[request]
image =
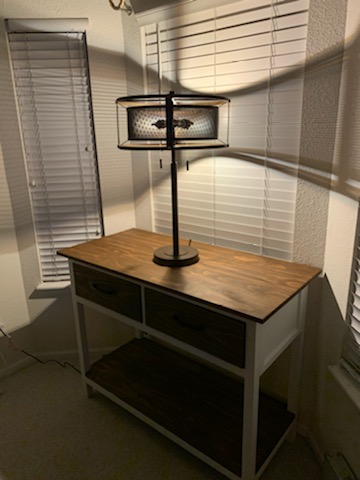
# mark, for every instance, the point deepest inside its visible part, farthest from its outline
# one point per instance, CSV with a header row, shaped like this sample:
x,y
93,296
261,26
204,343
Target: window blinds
x,y
52,86
252,51
351,349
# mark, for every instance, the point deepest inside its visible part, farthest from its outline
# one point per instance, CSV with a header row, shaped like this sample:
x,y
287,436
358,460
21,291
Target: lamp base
x,y
187,256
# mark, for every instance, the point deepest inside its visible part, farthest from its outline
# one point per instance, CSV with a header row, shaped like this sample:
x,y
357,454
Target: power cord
x,y
43,362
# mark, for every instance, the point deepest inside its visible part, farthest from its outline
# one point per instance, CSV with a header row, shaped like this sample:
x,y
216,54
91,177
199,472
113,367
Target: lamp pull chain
x,y
122,6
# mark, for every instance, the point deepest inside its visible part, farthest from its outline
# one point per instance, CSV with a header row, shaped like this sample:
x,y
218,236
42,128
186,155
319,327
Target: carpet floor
x,y
49,430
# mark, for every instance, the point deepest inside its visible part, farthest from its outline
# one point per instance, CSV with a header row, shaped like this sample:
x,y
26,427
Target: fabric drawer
x,y
199,327
109,291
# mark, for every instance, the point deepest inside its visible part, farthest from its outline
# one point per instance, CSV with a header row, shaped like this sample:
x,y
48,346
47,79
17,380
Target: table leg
x,y
251,405
296,363
83,349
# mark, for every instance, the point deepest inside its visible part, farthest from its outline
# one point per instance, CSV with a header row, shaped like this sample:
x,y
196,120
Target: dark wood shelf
x,y
197,404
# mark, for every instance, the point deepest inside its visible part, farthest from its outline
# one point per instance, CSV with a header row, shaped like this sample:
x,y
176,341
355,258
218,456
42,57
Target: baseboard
x,y
306,432
15,367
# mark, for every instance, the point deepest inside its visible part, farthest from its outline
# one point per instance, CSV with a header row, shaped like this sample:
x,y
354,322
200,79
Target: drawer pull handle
x,y
193,324
107,289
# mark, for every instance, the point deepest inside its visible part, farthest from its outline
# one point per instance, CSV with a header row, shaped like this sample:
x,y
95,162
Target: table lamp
x,y
174,122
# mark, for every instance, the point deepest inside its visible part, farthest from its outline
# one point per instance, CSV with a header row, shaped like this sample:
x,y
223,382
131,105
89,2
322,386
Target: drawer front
x,y
110,292
210,332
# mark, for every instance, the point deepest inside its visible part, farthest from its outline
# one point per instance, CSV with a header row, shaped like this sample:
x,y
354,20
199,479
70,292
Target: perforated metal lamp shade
x,y
173,122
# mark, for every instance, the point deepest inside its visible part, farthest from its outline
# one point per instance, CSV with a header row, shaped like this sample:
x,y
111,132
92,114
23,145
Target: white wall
x,y
140,160
338,420
343,206
50,312
327,209
13,307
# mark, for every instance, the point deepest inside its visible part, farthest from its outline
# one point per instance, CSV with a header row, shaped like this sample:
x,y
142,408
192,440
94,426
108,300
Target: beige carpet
x,y
49,430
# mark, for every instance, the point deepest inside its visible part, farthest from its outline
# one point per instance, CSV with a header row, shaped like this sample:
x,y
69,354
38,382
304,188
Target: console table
x,y
205,334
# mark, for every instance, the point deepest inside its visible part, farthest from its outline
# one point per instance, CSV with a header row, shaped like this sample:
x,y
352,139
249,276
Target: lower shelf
x,y
197,404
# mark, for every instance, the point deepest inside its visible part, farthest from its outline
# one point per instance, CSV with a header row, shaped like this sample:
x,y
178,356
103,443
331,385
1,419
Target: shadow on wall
x,y
52,333
54,327
330,153
11,357
322,343
323,332
12,153
329,156
330,416
54,324
315,166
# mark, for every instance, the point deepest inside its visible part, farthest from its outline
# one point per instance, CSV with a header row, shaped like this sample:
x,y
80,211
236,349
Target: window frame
x,y
59,269
350,356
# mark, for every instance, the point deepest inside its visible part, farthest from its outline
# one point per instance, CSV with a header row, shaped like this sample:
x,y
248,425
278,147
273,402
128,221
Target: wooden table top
x,y
231,280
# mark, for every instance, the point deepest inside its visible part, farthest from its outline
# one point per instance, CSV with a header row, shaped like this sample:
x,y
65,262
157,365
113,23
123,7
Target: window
x,y
252,51
351,349
51,76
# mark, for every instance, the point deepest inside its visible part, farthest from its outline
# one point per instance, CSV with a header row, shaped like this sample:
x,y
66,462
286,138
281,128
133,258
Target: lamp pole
x,y
174,256
170,139
174,200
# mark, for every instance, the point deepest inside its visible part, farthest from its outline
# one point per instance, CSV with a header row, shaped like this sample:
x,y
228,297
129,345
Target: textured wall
x,y
330,153
320,110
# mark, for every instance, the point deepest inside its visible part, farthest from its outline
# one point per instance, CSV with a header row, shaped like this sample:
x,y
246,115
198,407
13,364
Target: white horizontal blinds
x,y
196,197
254,208
228,48
252,51
195,187
283,126
152,59
52,86
351,348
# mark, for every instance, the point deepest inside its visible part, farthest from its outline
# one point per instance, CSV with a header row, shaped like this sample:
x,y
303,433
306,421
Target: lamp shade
x,y
174,121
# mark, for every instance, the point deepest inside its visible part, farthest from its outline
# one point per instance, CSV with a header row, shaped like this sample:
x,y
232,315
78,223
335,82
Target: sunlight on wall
x,y
344,201
250,51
